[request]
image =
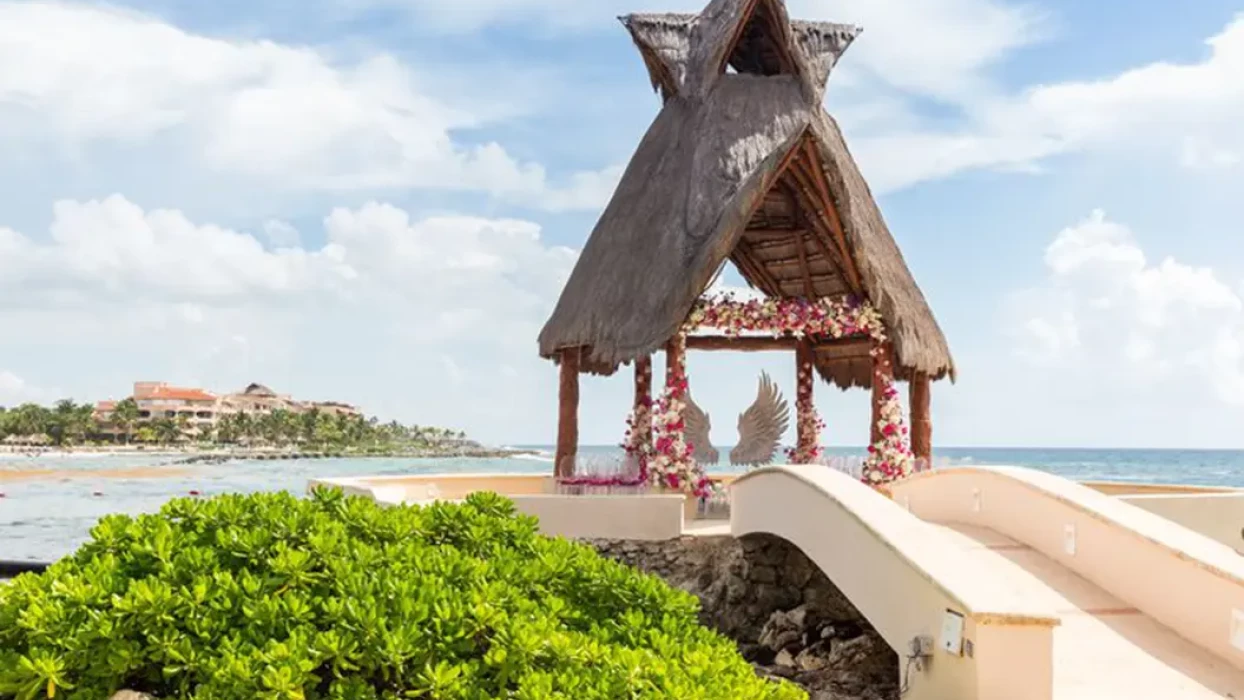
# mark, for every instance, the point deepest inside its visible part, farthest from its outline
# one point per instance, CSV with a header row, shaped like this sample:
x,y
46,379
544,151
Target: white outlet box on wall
x,y
1069,539
952,633
976,500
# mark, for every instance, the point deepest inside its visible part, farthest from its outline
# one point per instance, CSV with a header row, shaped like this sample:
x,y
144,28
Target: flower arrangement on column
x,y
638,440
808,422
672,464
890,457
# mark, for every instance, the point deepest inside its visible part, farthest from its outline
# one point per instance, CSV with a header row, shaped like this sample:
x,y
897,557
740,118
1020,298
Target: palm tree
x,y
125,415
166,430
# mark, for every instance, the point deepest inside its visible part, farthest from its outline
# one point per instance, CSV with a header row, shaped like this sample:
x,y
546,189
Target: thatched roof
x,y
745,166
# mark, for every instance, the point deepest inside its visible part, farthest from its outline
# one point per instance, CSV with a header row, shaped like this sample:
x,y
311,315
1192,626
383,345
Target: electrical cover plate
x,y
952,633
976,500
1069,539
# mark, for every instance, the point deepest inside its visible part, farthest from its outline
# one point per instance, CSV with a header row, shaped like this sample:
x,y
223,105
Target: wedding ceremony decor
x,y
744,173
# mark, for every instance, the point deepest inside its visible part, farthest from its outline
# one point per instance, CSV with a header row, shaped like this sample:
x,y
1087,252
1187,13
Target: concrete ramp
x,y
909,579
1148,609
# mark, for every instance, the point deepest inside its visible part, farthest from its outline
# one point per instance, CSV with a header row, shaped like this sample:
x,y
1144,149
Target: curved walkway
x,y
1066,593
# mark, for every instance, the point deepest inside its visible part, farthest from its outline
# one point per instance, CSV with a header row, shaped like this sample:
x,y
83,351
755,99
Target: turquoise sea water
x,y
46,517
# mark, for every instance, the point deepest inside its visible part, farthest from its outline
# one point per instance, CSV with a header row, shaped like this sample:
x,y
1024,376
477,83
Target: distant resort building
x,y
202,410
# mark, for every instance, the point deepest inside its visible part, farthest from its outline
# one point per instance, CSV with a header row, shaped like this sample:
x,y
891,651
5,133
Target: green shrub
x,y
271,596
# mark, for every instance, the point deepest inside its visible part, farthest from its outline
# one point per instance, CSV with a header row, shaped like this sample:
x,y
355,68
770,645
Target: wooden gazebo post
x,y
921,419
642,430
806,436
567,414
883,370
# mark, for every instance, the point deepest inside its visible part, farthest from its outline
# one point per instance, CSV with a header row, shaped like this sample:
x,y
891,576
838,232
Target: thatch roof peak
x,y
745,166
665,41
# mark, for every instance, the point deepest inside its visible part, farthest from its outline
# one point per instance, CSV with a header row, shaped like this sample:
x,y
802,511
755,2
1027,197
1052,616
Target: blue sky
x,y
377,201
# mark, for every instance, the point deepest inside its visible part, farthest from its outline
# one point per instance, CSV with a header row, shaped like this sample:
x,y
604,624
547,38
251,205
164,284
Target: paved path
x,y
1104,649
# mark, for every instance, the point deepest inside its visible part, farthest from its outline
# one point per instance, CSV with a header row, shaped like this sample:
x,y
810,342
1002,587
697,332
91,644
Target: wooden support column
x,y
643,397
806,434
921,418
675,357
883,374
567,414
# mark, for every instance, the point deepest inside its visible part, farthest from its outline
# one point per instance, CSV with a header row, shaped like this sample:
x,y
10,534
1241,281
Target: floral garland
x,y
799,317
809,423
890,457
668,460
638,443
672,463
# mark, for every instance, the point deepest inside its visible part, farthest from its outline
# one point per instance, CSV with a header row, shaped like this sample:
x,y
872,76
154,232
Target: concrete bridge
x,y
1013,584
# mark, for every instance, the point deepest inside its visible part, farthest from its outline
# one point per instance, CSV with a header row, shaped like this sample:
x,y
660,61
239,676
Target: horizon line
x,y
961,447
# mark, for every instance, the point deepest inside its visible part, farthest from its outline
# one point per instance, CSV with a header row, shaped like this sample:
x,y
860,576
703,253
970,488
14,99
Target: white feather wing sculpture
x,y
761,426
697,427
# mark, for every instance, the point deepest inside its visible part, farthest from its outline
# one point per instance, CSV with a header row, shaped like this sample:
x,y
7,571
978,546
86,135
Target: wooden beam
x,y
567,414
748,269
838,347
770,234
882,370
643,396
818,205
816,219
844,349
810,293
747,343
742,250
819,181
758,267
806,438
673,358
921,418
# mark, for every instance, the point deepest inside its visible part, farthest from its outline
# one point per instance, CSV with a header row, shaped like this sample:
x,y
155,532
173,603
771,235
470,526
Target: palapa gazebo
x,y
742,164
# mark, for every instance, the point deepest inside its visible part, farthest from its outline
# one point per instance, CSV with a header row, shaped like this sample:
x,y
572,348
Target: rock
x,y
781,631
788,619
131,695
813,658
763,574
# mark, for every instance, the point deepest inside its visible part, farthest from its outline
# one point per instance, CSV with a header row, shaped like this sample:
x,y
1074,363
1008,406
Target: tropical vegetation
x,y
70,423
330,597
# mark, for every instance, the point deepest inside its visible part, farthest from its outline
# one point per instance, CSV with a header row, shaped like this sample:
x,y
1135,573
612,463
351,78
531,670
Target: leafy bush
x,y
271,596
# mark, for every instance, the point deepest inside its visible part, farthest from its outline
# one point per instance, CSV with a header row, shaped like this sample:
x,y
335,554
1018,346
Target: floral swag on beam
x,y
669,462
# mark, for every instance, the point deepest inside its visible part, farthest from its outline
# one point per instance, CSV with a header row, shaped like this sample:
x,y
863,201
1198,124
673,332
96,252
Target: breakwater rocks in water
x,y
788,619
266,455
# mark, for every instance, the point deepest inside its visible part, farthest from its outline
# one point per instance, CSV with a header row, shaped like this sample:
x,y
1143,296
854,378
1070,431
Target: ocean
x,y
48,504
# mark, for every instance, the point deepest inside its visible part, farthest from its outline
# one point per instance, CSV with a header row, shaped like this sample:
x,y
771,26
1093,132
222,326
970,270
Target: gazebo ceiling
x,y
794,244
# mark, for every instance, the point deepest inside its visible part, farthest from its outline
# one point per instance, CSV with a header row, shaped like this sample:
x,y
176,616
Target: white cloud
x,y
428,319
289,116
1109,316
1183,113
933,47
15,391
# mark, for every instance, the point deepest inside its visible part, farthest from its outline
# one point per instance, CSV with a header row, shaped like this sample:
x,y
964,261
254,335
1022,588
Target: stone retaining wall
x,y
788,619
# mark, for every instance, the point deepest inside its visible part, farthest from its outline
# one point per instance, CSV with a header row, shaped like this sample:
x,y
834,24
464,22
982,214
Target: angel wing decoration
x,y
761,426
696,430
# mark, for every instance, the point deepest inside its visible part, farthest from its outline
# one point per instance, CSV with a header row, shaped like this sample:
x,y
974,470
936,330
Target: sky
x,y
378,201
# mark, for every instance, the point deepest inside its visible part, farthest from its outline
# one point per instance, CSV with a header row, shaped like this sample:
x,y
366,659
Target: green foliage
x,y
270,596
69,423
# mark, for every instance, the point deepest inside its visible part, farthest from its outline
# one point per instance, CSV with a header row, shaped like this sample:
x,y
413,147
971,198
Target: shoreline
x,y
192,455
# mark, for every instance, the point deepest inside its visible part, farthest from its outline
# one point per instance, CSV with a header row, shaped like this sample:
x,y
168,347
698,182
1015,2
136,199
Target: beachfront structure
x,y
258,399
743,165
202,410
